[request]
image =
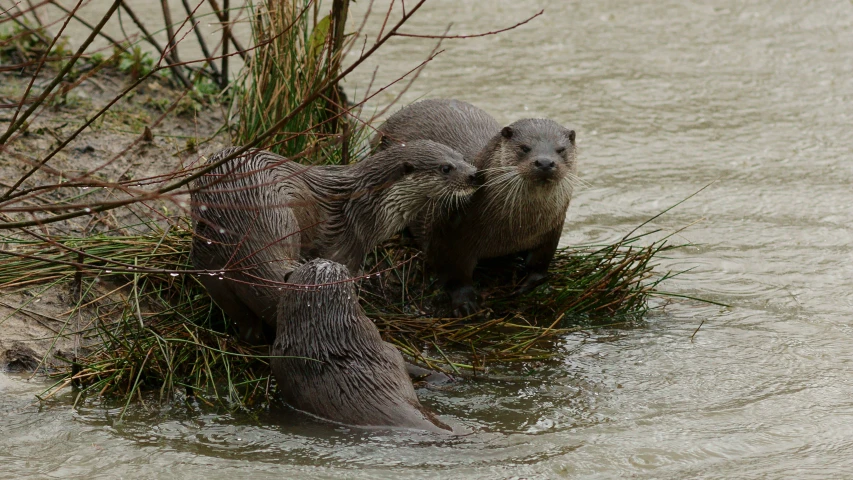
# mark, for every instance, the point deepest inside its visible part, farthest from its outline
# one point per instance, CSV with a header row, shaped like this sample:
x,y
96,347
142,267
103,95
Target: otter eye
x,y
561,150
446,169
525,148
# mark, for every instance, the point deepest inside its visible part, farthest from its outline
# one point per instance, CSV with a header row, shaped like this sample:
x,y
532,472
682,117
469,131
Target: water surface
x,y
754,99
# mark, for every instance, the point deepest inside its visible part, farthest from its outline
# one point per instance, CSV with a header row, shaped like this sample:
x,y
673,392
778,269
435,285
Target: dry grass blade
x,y
289,65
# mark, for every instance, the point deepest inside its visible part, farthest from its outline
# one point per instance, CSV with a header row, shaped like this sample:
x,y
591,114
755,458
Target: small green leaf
x,y
318,38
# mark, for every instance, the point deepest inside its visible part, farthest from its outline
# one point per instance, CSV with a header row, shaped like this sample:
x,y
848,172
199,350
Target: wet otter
x,y
353,377
528,169
258,215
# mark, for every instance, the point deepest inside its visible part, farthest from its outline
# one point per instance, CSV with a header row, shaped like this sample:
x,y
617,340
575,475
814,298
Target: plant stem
x,y
179,74
56,80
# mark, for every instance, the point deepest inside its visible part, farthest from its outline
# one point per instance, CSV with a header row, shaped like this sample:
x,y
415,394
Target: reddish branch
x,y
67,68
179,74
175,187
40,65
87,24
13,16
495,32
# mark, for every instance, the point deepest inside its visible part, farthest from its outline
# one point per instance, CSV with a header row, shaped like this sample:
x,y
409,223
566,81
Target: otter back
x,y
527,169
459,125
330,361
243,230
259,214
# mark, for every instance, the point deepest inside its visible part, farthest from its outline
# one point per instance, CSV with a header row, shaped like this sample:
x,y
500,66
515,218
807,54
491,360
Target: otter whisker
x,y
450,206
460,198
499,180
501,169
576,180
500,174
435,206
504,193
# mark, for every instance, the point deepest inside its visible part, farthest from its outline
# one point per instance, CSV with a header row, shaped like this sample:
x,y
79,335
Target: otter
x,y
528,170
329,360
258,216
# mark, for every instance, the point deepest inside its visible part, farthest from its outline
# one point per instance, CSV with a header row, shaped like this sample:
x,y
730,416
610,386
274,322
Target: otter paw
x,y
466,309
532,281
463,301
430,377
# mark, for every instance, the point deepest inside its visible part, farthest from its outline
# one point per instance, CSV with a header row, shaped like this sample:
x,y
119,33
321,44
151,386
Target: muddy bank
x,y
36,322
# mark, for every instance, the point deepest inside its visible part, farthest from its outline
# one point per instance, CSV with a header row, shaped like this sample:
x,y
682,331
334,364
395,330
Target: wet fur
x,y
518,209
353,376
256,217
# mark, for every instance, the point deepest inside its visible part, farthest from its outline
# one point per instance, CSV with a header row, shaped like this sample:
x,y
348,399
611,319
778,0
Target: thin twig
x,y
173,65
88,25
171,45
223,18
226,32
67,68
494,32
6,17
201,41
697,330
40,65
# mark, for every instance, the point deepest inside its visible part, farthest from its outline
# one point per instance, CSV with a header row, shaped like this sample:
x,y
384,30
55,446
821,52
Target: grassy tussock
x,y
588,287
291,63
141,324
151,327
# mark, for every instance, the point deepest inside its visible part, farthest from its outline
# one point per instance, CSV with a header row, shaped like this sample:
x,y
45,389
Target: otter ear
x,y
571,136
506,132
407,168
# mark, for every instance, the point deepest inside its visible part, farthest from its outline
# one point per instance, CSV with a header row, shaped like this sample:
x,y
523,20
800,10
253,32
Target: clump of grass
x,y
588,287
149,327
141,324
291,63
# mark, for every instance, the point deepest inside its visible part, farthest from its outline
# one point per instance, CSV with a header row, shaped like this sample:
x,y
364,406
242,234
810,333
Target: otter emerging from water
x,y
528,171
257,216
345,372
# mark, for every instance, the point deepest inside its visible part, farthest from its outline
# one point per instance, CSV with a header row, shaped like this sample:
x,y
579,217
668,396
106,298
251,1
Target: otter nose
x,y
472,179
544,164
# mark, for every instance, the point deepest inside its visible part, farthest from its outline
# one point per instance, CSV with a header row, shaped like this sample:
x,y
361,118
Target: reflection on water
x,y
753,98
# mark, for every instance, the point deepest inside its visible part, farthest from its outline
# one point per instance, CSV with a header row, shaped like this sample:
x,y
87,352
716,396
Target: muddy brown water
x,y
667,97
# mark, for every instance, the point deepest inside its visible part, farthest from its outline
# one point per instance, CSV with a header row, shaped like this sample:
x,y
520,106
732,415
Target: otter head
x,y
540,150
328,301
390,189
428,173
434,169
328,287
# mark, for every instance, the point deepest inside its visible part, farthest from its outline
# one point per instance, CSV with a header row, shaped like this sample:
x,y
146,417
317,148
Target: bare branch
x,y
495,32
67,68
150,39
